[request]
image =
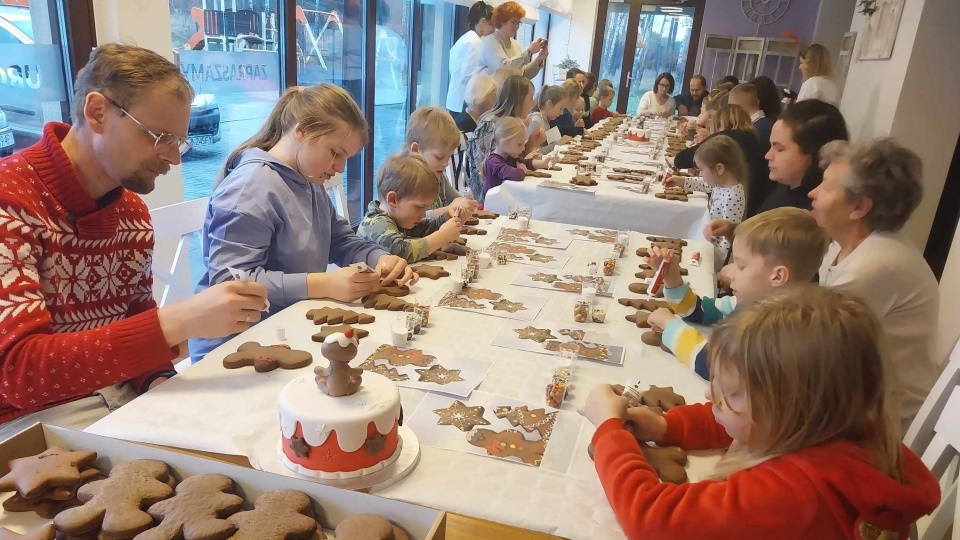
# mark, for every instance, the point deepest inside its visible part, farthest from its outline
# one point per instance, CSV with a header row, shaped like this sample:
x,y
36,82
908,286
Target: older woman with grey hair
x,y
868,193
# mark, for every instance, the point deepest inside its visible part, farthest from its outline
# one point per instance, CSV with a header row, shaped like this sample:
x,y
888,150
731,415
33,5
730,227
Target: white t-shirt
x,y
649,103
820,88
894,280
463,62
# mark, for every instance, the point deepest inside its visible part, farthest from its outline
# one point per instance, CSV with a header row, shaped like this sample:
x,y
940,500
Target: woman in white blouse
x,y
817,71
463,55
501,49
868,193
659,102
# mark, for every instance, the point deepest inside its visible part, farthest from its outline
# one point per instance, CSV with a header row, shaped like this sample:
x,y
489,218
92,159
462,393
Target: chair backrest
x,y
934,435
213,23
246,22
334,187
455,168
176,222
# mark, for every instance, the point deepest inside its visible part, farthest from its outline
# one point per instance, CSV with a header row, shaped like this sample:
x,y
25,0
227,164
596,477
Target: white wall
x,y
833,21
145,23
572,37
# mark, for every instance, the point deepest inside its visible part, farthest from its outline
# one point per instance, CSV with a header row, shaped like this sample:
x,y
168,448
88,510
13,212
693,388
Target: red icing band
x,y
330,458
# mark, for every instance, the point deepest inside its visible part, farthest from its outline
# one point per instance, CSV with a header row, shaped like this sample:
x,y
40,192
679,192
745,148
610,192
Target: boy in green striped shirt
x,y
772,249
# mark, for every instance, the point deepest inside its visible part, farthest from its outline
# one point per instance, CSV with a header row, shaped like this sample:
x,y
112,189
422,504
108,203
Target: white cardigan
x,y
894,280
496,52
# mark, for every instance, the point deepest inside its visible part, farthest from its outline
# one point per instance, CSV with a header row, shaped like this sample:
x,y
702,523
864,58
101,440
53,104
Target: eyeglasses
x,y
664,85
161,141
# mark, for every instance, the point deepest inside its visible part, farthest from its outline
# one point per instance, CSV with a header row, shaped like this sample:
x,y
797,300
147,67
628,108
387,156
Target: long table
x,y
614,205
210,409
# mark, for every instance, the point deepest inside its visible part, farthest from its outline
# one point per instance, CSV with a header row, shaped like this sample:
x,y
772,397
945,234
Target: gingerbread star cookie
x,y
461,416
330,315
439,375
508,306
54,467
544,278
535,334
480,294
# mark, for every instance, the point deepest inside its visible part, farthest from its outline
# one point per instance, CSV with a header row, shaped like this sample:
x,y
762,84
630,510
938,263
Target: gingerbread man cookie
x,y
645,266
536,334
392,290
54,467
330,330
643,303
369,527
114,504
538,420
583,180
330,315
640,319
663,397
461,416
47,532
645,274
282,514
652,338
480,294
509,443
430,271
197,511
53,501
266,358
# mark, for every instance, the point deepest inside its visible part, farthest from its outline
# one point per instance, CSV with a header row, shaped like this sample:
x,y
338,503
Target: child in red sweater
x,y
602,110
812,446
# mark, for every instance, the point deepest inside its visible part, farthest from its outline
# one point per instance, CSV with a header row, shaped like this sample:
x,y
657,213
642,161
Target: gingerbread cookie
x,y
282,514
583,180
640,319
114,505
667,245
440,255
671,197
652,338
509,443
402,357
55,467
461,416
472,222
328,330
591,351
472,231
381,301
369,527
45,508
266,358
508,306
197,511
480,294
47,532
539,174
486,214
573,334
388,372
430,271
644,274
439,375
679,241
454,300
330,315
663,397
645,266
538,420
536,334
642,303
392,290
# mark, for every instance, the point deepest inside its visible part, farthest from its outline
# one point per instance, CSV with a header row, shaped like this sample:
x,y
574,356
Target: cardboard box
x,y
332,505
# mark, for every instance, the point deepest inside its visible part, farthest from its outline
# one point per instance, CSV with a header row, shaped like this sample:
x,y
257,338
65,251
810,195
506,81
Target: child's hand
x,y
660,318
602,404
450,230
675,180
566,139
725,277
523,167
344,285
717,228
467,207
578,123
534,155
645,425
671,278
391,268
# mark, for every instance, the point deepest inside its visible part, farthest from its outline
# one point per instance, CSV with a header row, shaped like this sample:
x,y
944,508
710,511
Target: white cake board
x,y
265,458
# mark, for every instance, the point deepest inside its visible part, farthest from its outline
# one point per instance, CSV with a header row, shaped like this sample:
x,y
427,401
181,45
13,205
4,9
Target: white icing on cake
x,y
342,340
320,414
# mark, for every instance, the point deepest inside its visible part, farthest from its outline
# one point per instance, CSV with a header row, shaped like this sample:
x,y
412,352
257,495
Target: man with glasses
x,y
80,332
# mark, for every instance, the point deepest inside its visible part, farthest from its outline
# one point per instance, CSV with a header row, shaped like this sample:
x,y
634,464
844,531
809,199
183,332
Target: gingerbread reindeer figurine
x,y
339,379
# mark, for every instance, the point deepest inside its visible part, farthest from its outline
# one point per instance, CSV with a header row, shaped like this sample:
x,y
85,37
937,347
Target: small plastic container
x,y
581,310
599,313
610,263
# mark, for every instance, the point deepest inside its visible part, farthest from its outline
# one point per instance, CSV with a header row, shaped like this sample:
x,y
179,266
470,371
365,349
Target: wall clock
x,y
765,11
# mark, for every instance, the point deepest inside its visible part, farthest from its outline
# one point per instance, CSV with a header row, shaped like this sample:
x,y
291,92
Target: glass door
x,y
663,37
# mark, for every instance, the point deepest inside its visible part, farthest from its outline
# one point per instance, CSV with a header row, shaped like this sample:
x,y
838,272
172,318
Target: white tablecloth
x,y
610,207
212,409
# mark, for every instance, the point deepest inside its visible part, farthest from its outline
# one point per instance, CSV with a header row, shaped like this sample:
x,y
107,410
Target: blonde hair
x,y
715,99
408,175
818,61
811,364
551,94
513,93
504,129
606,82
748,91
787,236
319,110
605,92
480,88
723,150
732,117
434,129
572,88
123,73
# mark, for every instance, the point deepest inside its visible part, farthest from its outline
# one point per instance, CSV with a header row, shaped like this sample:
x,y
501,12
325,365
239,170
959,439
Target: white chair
x,y
176,222
334,187
934,435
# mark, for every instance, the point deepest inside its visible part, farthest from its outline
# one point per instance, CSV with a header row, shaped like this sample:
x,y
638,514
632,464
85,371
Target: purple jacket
x,y
500,169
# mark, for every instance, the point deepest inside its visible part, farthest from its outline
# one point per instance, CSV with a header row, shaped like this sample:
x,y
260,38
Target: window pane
x,y
434,76
330,49
391,76
33,84
231,60
663,42
614,37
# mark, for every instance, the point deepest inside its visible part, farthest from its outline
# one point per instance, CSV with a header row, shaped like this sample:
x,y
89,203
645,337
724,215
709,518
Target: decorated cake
x,y
336,425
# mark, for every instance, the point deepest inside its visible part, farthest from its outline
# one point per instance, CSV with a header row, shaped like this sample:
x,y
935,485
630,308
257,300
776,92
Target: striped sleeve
x,y
695,309
688,345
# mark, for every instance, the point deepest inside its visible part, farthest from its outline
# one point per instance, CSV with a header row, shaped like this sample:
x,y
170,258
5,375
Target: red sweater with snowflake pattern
x,y
76,302
827,491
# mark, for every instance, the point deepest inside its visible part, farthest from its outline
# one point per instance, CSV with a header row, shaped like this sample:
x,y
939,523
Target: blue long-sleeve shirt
x,y
266,219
